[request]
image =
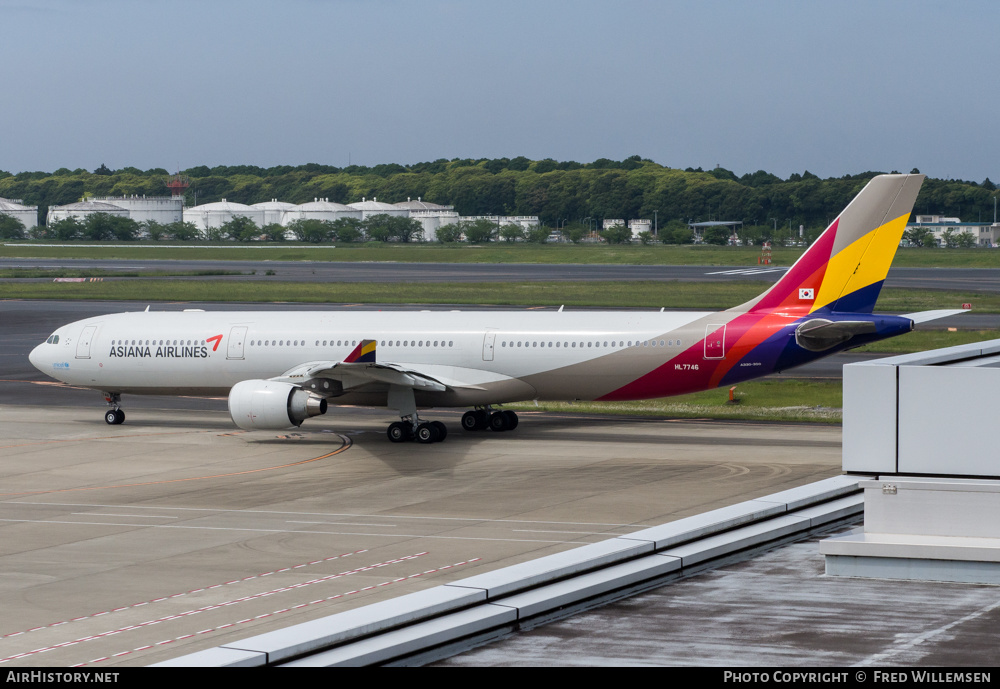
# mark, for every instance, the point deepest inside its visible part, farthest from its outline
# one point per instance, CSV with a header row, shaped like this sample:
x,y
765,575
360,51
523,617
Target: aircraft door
x,y
83,345
715,341
488,343
236,340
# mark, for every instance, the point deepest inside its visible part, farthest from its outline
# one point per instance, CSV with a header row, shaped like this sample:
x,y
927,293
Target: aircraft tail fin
x,y
844,269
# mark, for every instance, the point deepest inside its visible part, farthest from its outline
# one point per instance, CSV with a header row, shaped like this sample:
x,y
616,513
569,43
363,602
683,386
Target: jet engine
x,y
270,405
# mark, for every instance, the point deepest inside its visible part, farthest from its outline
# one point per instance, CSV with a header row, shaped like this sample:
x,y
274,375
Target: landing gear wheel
x,y
499,421
114,417
511,420
427,433
470,421
441,428
398,432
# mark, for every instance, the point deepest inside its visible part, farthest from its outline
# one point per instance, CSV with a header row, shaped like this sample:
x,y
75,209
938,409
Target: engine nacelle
x,y
270,405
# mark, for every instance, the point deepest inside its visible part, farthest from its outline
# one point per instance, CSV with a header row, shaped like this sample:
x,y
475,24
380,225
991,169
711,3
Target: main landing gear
x,y
410,427
482,418
423,432
114,416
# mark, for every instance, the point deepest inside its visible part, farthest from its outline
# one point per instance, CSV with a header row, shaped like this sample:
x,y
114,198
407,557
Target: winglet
x,y
364,353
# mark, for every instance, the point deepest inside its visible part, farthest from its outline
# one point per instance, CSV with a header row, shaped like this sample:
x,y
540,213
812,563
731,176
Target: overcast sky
x,y
835,87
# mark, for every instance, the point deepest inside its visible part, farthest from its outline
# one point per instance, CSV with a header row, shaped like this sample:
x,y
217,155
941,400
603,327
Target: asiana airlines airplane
x,y
280,368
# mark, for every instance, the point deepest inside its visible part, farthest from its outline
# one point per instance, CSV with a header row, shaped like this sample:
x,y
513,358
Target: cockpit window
x,y
53,339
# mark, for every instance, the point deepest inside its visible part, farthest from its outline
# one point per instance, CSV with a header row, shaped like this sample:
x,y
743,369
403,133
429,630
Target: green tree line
x,y
557,192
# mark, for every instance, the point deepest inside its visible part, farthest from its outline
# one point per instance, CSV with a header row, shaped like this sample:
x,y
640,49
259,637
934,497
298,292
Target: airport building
x,y
640,225
527,222
28,215
984,234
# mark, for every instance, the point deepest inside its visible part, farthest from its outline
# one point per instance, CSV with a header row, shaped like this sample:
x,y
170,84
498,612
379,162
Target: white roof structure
x,y
421,205
376,207
92,207
7,205
274,205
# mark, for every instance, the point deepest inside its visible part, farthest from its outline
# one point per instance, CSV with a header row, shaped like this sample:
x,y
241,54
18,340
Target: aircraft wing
x,y
924,316
361,368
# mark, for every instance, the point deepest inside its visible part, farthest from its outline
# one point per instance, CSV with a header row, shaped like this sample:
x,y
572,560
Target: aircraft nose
x,y
36,357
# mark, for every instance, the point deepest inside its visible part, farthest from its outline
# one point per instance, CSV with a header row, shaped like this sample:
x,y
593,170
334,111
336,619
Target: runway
x,y
959,279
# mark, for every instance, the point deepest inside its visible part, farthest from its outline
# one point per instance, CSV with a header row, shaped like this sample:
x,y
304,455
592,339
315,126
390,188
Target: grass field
x,y
759,400
498,252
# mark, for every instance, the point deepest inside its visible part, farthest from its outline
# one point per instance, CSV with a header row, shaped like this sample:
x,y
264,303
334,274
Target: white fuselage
x,y
516,355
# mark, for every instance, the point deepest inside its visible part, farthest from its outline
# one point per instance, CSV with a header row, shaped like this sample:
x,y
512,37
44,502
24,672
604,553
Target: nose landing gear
x,y
114,416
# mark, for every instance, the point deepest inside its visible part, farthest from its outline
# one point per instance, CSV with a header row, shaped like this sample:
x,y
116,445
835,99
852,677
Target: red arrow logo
x,y
216,339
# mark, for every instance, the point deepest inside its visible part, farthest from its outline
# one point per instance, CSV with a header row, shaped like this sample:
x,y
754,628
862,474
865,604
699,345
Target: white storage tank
x,y
376,207
274,211
322,209
431,216
215,215
82,209
28,215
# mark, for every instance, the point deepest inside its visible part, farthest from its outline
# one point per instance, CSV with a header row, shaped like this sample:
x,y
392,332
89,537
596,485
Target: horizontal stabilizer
x,y
925,316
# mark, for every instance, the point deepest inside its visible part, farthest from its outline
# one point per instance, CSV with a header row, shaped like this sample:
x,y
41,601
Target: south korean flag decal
x,y
807,294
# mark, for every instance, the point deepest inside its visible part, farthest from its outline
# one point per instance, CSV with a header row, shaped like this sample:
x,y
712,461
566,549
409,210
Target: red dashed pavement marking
x,y
211,607
185,593
278,612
